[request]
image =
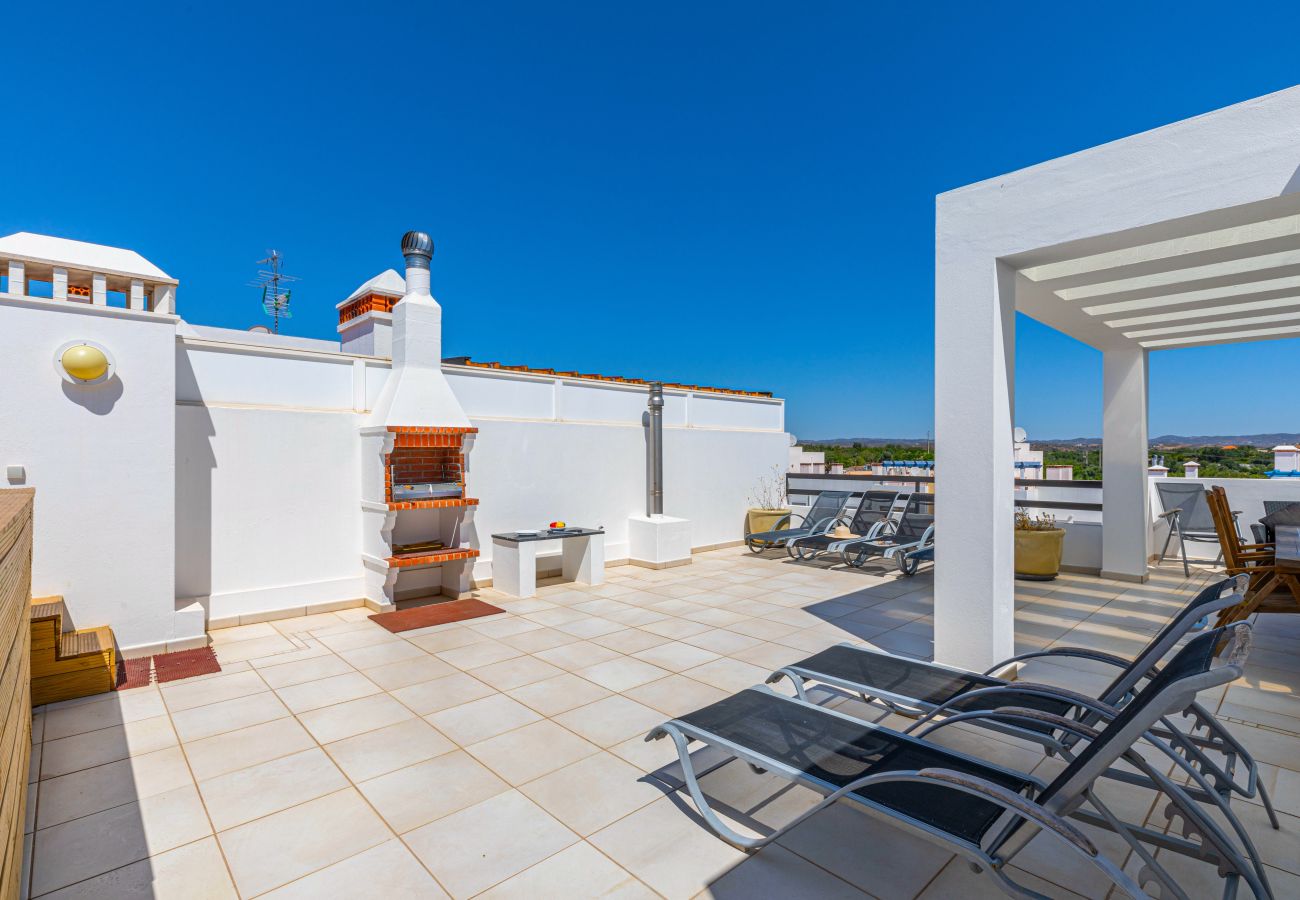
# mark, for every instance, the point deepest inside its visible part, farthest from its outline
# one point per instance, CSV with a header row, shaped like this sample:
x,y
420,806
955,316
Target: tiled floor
x,y
503,757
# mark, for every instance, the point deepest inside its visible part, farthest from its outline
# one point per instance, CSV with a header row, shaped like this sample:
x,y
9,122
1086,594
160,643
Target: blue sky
x,y
737,194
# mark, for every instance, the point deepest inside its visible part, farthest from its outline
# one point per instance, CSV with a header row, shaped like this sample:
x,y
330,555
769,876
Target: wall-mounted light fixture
x,y
84,362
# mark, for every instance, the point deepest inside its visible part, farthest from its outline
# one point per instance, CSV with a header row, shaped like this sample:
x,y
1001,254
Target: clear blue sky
x,y
737,194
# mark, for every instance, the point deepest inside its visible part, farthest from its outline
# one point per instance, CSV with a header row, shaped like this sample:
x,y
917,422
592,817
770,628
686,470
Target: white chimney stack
x,y
1191,469
417,393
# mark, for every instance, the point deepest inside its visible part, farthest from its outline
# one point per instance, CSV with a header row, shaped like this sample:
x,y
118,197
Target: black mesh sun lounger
x,y
820,518
876,514
981,811
928,690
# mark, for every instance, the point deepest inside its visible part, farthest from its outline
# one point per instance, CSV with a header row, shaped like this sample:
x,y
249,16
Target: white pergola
x,y
1183,236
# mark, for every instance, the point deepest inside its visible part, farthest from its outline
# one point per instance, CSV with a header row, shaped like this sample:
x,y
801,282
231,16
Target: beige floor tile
x,y
593,792
667,849
409,671
764,628
957,880
611,720
442,693
278,849
770,656
312,669
224,636
630,640
513,673
389,870
479,720
113,784
384,654
327,691
675,695
360,634
540,639
212,690
446,638
622,674
576,871
468,851
94,748
312,649
195,871
677,629
228,715
343,720
388,749
675,656
558,694
580,655
719,640
249,746
481,654
77,850
776,872
425,792
246,794
590,627
531,751
729,675
118,708
254,649
498,627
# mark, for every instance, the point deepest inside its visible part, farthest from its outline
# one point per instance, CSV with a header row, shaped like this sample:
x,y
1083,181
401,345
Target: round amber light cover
x,y
85,363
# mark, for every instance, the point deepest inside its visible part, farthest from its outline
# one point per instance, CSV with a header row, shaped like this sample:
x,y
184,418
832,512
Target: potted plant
x,y
1038,547
767,503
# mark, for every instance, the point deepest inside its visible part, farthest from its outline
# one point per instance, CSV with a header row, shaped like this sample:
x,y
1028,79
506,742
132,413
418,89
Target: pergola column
x,y
974,596
1126,507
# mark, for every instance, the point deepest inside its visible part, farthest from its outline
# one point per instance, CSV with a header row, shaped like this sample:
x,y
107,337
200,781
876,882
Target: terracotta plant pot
x,y
1038,553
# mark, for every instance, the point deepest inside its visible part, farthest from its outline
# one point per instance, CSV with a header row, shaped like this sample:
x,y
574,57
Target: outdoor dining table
x,y
1287,548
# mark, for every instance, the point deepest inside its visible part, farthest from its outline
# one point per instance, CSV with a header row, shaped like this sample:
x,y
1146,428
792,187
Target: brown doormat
x,y
434,614
185,664
133,673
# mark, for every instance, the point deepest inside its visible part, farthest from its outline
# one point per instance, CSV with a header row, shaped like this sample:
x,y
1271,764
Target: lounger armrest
x,y
1091,704
995,794
1079,652
1170,514
1018,713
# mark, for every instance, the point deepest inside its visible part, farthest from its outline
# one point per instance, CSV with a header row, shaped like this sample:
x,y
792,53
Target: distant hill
x,y
1164,440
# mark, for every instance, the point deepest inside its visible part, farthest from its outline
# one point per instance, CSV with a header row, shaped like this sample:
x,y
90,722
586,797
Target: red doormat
x,y
434,614
185,664
133,673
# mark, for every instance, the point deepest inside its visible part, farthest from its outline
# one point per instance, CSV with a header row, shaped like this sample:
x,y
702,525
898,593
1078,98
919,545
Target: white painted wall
x,y
101,460
268,479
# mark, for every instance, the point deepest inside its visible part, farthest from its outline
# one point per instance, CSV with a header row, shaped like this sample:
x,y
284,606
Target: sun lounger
x,y
911,541
877,514
820,518
981,811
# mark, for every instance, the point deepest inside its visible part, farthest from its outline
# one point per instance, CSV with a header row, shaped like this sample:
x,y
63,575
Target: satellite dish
x,y
1020,435
794,441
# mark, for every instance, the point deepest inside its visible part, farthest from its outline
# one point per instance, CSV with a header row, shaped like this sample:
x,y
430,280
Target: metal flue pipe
x,y
654,505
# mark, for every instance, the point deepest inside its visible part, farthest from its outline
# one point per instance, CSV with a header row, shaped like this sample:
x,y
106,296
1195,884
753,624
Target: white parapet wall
x,y
269,518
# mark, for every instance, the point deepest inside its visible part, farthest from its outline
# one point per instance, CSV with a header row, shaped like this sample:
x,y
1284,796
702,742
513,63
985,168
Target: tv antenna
x,y
275,299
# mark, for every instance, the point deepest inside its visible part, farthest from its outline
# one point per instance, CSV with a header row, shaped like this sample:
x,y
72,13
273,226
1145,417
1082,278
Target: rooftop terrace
x,y
504,756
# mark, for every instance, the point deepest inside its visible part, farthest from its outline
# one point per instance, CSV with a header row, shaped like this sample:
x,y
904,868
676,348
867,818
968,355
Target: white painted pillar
x,y
164,298
60,282
17,278
135,296
974,593
1126,507
99,289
